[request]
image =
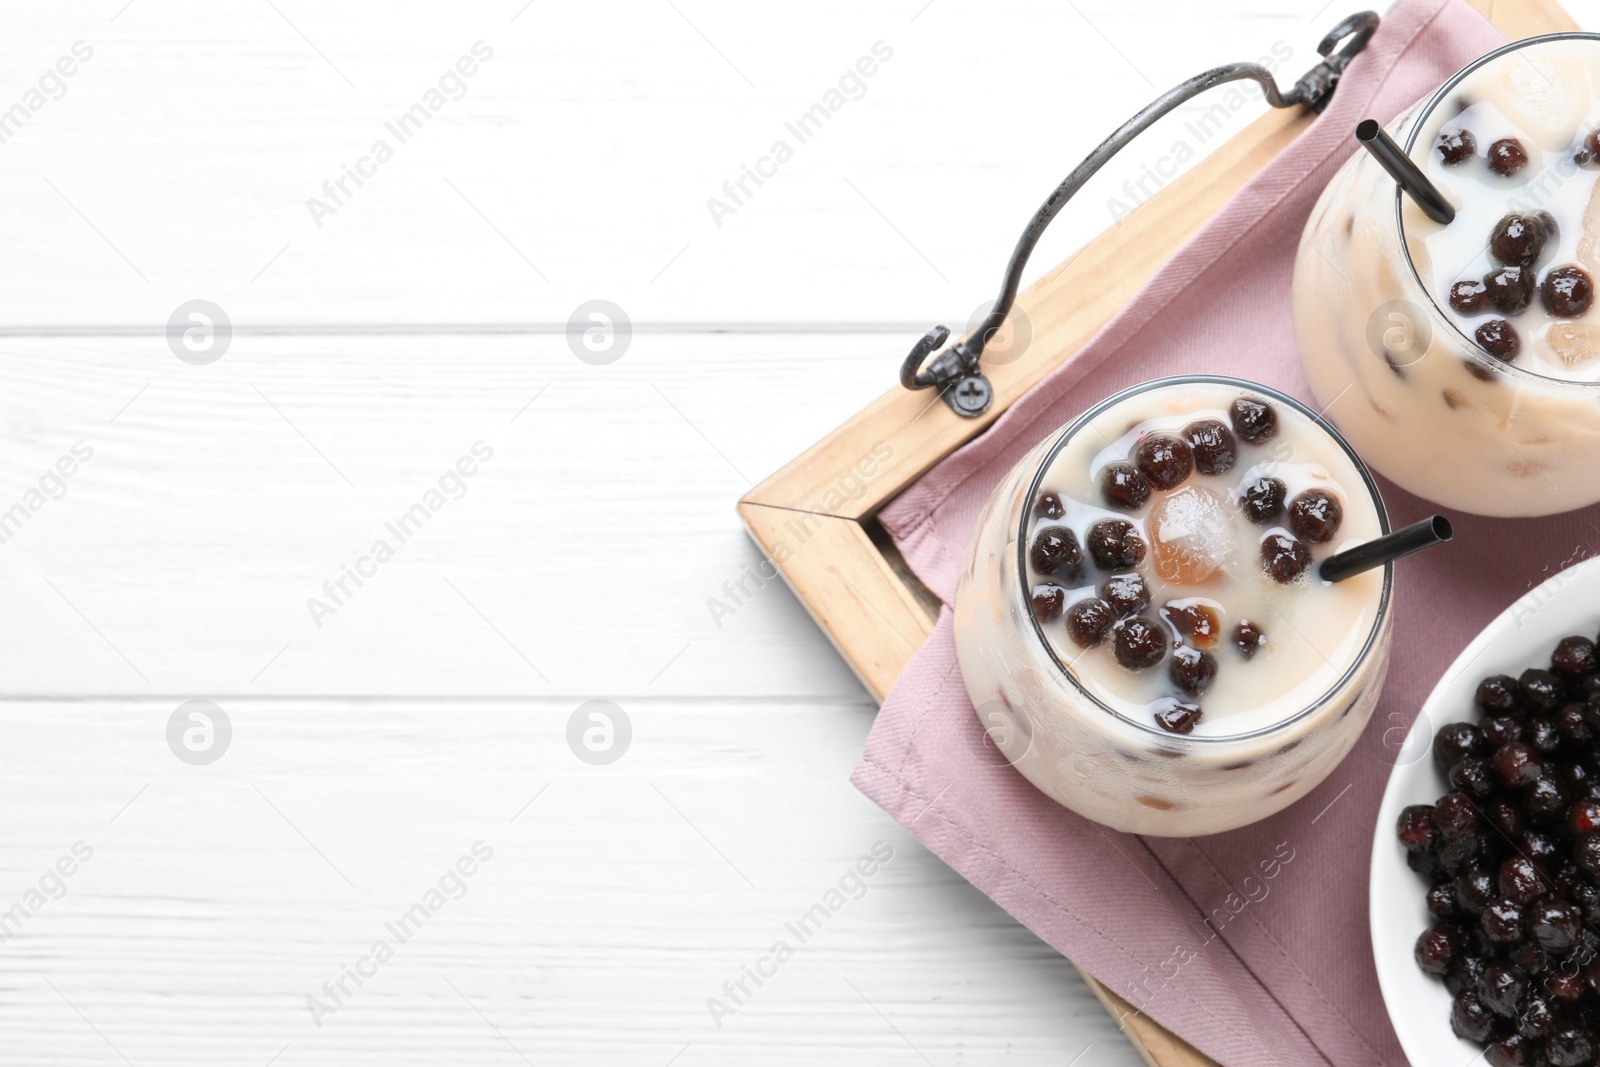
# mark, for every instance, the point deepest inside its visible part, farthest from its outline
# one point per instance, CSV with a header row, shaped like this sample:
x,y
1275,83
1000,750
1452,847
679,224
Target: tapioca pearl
x,y
1510,289
1249,638
1178,717
1262,500
1128,594
1192,670
1049,506
1048,600
1123,487
1253,420
1574,656
1055,553
1089,622
1199,624
1500,339
1283,557
1507,156
1567,291
1315,515
1470,296
1518,240
1139,643
1213,445
1456,146
1165,461
1115,545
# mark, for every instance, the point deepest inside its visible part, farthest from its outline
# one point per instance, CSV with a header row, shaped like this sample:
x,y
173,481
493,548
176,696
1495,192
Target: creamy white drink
x,y
1140,623
1462,359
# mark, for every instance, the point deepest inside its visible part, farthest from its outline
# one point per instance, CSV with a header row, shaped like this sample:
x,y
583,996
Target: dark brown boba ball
x,y
1261,499
1284,558
1165,460
1584,818
1538,1018
1573,656
1519,880
1572,723
1048,600
1213,445
1517,765
1501,922
1500,339
1554,924
1463,854
1501,988
1569,1046
1249,638
1475,890
1192,670
1470,1019
1455,815
1124,487
1115,545
1049,506
1126,593
1139,643
1089,621
1545,799
1500,730
1586,854
1567,292
1178,717
1055,552
1199,624
1539,689
1510,1050
1473,777
1455,742
1497,693
1441,901
1507,156
1510,289
1564,990
1425,863
1437,949
1468,969
1315,515
1470,296
1253,420
1504,816
1543,736
1517,240
1415,828
1456,147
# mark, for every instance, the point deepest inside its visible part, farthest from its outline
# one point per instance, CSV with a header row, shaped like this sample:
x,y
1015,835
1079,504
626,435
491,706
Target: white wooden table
x,y
374,744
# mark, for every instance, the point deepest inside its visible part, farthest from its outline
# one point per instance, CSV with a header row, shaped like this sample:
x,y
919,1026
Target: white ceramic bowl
x,y
1522,636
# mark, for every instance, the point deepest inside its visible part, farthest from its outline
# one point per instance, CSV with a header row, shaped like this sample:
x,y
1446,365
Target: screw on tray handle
x,y
955,372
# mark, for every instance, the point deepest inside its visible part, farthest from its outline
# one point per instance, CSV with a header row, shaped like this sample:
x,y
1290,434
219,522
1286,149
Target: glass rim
x,y
1067,433
1419,116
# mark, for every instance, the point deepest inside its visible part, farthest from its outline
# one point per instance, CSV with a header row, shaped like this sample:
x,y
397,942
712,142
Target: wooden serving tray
x,y
851,578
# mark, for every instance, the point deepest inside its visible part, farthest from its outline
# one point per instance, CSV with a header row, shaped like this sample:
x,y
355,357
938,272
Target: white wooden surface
x,y
427,315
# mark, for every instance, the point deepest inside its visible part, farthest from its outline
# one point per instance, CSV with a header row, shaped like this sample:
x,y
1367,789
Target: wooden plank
x,y
595,934
585,151
873,616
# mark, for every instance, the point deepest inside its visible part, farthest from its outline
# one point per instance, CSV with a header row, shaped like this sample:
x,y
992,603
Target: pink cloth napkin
x,y
1251,945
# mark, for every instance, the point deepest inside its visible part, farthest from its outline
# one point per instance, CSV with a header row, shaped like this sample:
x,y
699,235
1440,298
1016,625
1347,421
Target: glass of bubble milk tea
x,y
1462,358
1141,621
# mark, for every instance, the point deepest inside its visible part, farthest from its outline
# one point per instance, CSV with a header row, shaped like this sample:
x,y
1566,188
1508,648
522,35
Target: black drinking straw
x,y
1403,170
1386,549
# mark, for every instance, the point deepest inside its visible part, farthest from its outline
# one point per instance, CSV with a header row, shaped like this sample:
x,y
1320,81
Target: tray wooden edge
x,y
859,593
